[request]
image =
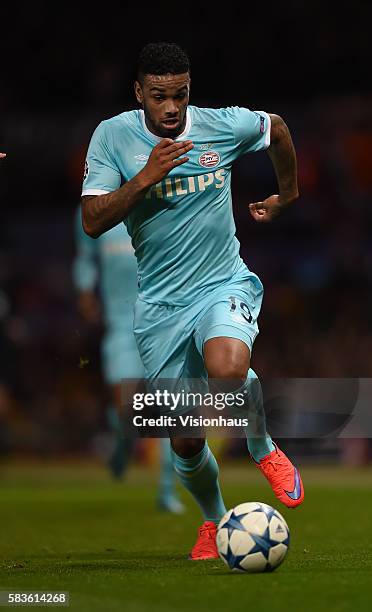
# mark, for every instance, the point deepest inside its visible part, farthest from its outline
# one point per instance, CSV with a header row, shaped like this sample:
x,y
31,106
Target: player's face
x,y
164,99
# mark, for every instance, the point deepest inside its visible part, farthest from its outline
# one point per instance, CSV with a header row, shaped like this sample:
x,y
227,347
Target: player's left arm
x,y
283,156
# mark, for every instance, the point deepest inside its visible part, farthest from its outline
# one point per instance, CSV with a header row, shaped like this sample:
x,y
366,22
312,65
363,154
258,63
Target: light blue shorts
x,y
170,339
120,356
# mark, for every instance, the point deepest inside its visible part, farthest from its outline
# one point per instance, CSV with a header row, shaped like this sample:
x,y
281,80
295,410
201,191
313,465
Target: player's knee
x,y
228,368
187,447
227,358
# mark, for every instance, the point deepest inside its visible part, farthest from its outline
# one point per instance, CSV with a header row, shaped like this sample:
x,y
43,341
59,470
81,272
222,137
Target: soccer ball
x,y
252,537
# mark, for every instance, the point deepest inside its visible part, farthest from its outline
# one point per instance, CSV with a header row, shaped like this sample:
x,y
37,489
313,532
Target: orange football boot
x,y
284,478
205,547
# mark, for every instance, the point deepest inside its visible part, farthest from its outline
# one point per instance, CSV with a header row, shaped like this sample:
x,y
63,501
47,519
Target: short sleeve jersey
x,y
183,230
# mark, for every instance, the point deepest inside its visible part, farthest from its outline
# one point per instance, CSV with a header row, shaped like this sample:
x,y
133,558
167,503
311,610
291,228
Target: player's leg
x,y
227,362
198,471
224,336
163,360
193,461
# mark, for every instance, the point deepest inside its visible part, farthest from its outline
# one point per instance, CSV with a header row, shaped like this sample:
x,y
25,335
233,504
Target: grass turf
x,y
69,528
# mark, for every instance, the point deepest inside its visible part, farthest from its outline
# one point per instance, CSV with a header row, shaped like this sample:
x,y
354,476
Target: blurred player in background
x,y
109,263
166,170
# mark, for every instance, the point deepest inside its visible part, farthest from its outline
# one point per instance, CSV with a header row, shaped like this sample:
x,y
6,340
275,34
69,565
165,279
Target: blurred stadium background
x,y
65,525
64,73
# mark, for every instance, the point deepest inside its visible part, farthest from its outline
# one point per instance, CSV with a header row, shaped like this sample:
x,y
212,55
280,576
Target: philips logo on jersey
x,y
209,159
185,185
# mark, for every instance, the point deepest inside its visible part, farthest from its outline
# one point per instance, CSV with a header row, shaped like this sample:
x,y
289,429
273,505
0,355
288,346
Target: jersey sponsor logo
x,y
209,159
86,170
185,185
206,146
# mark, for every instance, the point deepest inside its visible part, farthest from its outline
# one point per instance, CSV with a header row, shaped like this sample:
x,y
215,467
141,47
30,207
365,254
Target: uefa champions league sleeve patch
x,y
86,170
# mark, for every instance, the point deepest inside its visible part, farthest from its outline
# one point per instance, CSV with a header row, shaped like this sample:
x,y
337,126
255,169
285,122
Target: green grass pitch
x,y
70,528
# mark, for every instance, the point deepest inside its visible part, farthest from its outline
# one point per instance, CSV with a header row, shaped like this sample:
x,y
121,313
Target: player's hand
x,y
2,155
266,211
165,156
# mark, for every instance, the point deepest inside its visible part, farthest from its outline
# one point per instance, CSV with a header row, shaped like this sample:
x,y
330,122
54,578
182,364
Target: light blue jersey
x,y
110,264
183,231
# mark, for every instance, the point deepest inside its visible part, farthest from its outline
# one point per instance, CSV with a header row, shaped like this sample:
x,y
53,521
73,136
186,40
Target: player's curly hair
x,y
162,58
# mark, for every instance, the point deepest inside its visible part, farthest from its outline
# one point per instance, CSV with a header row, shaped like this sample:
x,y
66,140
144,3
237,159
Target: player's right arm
x,y
102,211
